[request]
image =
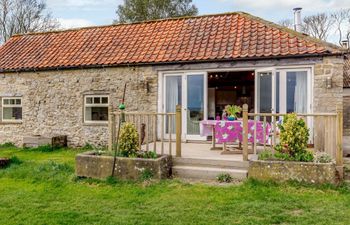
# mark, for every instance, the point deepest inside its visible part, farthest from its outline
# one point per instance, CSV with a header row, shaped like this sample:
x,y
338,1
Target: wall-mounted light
x,y
328,82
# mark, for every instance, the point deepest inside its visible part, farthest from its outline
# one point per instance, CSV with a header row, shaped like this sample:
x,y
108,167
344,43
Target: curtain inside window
x,y
300,94
172,97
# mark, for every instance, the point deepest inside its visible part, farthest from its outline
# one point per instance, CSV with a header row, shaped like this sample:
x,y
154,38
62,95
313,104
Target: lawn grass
x,y
42,189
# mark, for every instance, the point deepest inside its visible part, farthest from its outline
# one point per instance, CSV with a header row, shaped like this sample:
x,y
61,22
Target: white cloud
x,y
74,23
277,5
82,4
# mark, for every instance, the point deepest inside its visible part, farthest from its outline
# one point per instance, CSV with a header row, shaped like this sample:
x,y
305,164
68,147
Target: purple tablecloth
x,y
206,127
231,131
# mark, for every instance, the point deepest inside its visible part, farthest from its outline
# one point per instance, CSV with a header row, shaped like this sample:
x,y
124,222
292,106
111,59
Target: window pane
x,y
6,101
96,113
12,101
297,92
97,100
277,92
195,102
265,92
104,100
18,101
88,100
173,89
14,113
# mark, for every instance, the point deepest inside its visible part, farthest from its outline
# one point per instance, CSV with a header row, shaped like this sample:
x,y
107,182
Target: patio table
x,y
225,131
207,128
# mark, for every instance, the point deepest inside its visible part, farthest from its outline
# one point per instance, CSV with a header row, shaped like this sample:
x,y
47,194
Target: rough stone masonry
x,y
53,101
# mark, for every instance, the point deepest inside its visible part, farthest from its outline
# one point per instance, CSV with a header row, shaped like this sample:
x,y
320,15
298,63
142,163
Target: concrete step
x,y
347,169
207,173
210,163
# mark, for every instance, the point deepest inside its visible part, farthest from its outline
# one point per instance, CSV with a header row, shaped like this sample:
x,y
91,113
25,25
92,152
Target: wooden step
x,y
207,173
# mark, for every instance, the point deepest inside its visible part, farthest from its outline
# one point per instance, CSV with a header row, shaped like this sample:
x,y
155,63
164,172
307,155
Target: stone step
x,y
207,173
347,169
210,163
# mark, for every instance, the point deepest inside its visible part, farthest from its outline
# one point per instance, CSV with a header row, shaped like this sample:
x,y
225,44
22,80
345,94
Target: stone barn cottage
x,y
61,83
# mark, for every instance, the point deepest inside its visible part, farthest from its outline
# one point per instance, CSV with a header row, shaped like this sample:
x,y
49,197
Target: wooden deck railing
x,y
152,128
326,131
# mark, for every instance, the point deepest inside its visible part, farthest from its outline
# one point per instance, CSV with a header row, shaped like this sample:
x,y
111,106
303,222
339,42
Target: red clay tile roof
x,y
227,36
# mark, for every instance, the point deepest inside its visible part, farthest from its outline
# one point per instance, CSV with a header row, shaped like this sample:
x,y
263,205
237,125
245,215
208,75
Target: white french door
x,y
190,91
195,104
265,90
283,90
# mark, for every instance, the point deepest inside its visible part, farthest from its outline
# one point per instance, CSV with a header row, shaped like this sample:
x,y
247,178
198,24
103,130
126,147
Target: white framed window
x,y
11,109
96,108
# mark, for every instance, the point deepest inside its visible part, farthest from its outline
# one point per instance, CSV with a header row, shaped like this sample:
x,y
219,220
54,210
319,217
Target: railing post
x,y
339,150
111,129
245,132
178,130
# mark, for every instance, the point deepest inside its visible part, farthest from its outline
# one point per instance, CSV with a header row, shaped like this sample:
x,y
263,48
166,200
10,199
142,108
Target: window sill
x,y
95,124
11,122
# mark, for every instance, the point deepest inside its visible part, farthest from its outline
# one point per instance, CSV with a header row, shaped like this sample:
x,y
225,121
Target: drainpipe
x,y
297,19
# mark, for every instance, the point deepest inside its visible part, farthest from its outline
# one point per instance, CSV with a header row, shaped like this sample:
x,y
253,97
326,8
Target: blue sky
x,y
77,13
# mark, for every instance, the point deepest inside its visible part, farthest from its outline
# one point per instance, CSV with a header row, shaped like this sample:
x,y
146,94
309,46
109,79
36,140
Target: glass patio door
x,y
173,97
283,91
295,91
265,91
190,91
195,109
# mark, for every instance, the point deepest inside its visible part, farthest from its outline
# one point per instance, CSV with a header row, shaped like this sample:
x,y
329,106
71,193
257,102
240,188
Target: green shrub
x,y
128,140
100,150
305,156
87,146
294,134
294,137
224,178
322,157
266,155
283,156
8,145
150,155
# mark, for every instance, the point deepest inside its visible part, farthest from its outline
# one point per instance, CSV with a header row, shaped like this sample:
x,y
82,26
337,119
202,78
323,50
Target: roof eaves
x,y
166,63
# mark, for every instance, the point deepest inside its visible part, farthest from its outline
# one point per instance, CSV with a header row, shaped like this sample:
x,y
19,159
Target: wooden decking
x,y
198,150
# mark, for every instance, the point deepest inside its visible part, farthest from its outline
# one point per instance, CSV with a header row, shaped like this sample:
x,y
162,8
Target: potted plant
x,y
232,111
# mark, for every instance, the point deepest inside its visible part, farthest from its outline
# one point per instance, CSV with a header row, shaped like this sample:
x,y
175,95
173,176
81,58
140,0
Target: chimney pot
x,y
297,19
345,44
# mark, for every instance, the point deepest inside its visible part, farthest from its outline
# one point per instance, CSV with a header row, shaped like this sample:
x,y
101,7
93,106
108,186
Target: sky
x,y
80,13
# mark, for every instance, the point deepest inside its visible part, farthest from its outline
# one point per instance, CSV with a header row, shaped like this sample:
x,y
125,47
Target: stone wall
x,y
94,166
316,173
53,100
326,100
347,112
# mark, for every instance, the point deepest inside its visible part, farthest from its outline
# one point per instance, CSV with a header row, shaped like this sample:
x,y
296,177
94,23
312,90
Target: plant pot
x,y
91,165
231,118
